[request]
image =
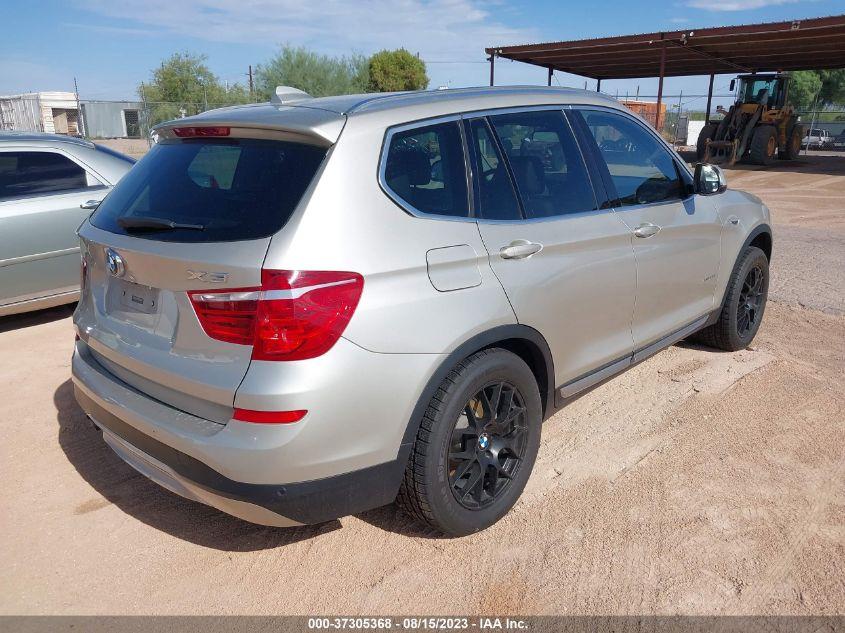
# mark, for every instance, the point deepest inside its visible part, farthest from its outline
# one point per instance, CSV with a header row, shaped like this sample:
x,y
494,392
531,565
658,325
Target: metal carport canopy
x,y
816,43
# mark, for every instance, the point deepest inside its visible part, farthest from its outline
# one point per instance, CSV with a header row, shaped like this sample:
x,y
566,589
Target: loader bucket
x,y
720,152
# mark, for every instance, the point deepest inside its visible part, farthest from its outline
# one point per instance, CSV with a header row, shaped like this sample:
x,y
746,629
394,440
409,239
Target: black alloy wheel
x,y
488,444
476,444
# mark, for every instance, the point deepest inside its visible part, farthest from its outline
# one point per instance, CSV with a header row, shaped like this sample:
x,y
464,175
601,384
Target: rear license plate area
x,y
136,298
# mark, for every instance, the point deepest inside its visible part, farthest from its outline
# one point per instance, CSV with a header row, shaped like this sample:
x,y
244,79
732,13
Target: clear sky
x,y
112,45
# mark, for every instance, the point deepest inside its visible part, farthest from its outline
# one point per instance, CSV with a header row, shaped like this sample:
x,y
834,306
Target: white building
x,y
53,112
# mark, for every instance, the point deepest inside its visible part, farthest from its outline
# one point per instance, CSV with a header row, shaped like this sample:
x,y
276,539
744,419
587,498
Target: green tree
x,y
396,70
817,87
318,75
833,86
184,82
804,86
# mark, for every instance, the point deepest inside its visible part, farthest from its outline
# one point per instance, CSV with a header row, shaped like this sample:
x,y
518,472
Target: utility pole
x,y
145,122
251,87
812,124
80,123
677,119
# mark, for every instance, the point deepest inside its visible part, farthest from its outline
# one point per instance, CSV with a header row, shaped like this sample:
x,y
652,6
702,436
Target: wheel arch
x,y
522,340
761,237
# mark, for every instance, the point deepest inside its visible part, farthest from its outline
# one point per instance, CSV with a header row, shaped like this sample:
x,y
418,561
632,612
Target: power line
x,y
451,61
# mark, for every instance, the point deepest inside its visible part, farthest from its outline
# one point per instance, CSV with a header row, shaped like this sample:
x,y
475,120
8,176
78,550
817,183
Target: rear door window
x,y
214,190
424,170
494,194
33,173
642,170
546,162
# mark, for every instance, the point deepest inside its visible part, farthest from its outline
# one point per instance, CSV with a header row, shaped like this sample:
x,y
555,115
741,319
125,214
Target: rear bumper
x,y
266,504
132,425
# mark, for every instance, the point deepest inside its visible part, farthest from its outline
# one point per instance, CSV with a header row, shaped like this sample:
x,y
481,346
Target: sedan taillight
x,y
294,315
83,275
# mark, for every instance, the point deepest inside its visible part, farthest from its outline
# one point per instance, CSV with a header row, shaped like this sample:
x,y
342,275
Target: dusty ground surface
x,y
698,483
134,147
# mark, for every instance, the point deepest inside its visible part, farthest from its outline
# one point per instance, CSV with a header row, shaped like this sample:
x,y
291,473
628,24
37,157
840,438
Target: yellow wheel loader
x,y
759,127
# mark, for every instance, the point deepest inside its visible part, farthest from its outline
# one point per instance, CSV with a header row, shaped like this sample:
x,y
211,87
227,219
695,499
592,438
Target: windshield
x,y
220,189
760,91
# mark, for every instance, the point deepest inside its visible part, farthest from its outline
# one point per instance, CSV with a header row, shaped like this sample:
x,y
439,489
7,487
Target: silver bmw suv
x,y
300,310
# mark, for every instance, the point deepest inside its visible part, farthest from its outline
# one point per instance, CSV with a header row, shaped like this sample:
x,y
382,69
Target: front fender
x,y
743,217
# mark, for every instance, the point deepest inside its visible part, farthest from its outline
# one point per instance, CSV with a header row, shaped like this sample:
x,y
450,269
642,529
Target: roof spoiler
x,y
288,94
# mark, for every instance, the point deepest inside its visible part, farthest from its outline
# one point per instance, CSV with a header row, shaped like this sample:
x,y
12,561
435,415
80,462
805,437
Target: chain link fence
x,y
683,116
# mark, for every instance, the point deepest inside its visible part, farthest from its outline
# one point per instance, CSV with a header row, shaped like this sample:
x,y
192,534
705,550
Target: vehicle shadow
x,y
148,502
828,164
822,164
38,317
392,518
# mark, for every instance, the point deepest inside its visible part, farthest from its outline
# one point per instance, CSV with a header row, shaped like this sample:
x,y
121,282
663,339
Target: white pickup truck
x,y
817,139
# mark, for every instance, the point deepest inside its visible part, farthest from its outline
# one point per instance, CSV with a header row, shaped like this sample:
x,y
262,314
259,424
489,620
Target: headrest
x,y
530,177
411,163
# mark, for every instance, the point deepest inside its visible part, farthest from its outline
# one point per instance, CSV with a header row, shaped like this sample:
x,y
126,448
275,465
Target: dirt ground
x,y
134,147
698,483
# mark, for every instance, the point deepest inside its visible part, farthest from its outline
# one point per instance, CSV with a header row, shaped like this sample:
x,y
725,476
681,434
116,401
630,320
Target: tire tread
x,y
719,335
413,495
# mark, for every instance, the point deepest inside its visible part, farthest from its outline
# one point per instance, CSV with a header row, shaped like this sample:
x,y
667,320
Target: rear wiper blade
x,y
155,224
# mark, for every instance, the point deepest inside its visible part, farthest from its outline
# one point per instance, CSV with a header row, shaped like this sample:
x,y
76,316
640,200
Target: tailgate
x,y
142,327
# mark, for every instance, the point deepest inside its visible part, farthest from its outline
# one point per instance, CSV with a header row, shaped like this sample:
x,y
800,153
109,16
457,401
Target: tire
x,y
764,143
706,132
793,145
728,332
450,443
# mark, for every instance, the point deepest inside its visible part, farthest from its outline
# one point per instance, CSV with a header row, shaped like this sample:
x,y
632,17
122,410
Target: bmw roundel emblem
x,y
484,442
114,263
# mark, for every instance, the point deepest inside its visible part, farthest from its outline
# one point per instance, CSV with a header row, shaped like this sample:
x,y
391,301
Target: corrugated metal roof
x,y
813,43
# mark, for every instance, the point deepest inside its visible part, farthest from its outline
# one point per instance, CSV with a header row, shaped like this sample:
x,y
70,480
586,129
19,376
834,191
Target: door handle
x,y
647,229
520,249
90,205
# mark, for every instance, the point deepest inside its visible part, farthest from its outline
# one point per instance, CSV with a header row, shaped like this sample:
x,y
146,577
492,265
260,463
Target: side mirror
x,y
733,85
709,179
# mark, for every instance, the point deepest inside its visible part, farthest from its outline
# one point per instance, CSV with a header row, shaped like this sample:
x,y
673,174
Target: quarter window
x,y
642,170
546,163
38,173
425,169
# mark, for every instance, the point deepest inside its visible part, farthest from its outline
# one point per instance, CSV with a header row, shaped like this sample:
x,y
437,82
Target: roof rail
x,y
288,94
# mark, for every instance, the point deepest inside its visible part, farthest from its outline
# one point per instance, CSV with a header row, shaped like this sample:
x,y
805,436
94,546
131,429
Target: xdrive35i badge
x,y
114,263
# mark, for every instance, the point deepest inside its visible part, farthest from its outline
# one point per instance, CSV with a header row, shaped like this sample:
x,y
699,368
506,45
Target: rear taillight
x,y
294,315
83,275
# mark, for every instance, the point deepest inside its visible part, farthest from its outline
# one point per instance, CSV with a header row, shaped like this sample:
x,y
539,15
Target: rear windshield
x,y
213,190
